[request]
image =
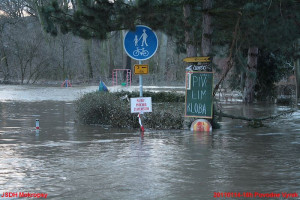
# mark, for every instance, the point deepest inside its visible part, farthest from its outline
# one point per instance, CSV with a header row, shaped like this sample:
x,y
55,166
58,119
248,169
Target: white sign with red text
x,y
141,104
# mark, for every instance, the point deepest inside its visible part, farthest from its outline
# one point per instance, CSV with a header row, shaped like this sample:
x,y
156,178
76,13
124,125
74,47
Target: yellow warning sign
x,y
141,69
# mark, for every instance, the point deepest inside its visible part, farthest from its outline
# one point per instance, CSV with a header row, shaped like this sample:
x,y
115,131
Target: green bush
x,y
109,109
105,109
165,116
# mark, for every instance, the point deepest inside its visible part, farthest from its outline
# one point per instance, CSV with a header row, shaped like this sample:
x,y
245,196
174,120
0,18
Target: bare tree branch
x,y
222,114
230,61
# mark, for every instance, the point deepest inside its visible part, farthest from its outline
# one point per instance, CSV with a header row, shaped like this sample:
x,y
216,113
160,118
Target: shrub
x,y
105,109
156,96
108,109
165,116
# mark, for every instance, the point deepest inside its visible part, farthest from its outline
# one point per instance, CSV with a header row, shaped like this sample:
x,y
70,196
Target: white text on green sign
x,y
199,94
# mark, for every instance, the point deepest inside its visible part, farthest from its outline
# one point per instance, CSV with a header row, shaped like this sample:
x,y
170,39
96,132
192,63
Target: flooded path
x,y
67,160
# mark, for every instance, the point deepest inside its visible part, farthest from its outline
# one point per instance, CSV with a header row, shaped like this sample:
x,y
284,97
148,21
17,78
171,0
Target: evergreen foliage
x,y
272,68
103,108
92,19
265,24
97,18
109,109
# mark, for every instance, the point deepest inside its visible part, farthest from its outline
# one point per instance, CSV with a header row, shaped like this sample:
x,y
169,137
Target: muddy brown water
x,y
67,160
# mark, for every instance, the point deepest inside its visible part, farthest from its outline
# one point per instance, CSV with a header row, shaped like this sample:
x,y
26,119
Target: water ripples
x,y
72,161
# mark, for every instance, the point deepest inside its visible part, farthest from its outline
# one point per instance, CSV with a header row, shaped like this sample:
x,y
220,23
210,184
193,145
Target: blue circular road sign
x,y
140,44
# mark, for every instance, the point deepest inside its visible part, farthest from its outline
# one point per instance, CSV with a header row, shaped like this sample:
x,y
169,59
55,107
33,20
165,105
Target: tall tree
x,y
206,42
12,12
87,54
191,50
265,33
4,66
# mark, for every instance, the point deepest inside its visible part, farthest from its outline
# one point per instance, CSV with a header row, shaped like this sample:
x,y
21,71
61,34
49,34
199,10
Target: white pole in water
x,y
37,124
141,95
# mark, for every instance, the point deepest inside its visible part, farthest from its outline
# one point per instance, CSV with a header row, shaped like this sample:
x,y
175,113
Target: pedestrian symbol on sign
x,y
136,40
144,36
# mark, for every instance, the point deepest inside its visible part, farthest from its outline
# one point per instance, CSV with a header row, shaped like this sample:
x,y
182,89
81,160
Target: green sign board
x,y
198,97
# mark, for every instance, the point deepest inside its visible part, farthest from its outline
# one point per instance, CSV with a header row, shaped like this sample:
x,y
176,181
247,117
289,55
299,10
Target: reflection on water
x,y
72,161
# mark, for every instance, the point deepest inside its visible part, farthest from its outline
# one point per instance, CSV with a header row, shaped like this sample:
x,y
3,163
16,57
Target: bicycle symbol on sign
x,y
141,52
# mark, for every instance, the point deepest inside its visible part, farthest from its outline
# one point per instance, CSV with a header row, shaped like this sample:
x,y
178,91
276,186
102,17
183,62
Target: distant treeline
x,y
29,55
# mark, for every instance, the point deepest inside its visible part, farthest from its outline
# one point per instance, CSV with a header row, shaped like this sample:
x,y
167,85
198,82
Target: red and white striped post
x,y
140,122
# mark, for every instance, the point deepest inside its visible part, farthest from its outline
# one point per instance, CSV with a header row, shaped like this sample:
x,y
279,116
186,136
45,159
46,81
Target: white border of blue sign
x,y
146,58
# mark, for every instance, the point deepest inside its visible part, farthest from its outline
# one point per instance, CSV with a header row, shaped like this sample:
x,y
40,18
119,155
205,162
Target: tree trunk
x,y
63,64
74,4
128,66
5,68
87,54
124,54
188,33
206,44
162,54
111,57
38,12
248,96
297,70
22,69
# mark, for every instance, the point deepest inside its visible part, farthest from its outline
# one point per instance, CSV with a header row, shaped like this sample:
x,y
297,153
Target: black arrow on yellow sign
x,y
141,69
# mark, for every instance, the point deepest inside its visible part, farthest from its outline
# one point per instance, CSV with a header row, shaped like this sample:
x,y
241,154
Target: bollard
x,y
37,124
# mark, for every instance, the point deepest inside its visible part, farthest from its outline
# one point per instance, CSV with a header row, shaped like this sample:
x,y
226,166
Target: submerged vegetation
x,y
111,109
104,109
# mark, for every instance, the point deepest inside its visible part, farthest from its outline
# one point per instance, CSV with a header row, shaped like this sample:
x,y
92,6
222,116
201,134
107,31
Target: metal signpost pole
x,y
141,95
141,81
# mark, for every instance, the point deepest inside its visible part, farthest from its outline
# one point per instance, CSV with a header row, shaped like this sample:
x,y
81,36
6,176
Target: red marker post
x,y
37,124
140,122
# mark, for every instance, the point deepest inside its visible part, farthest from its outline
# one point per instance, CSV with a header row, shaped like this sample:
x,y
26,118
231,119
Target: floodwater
x,y
67,160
